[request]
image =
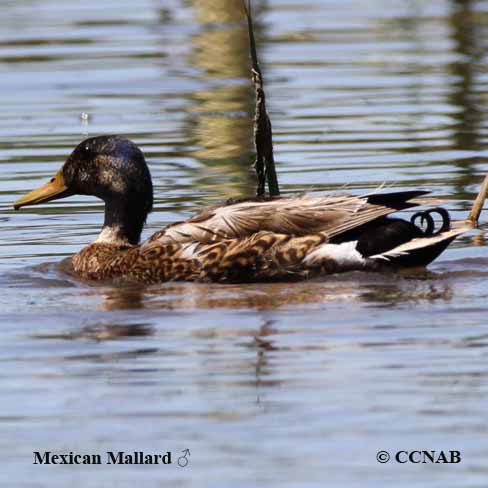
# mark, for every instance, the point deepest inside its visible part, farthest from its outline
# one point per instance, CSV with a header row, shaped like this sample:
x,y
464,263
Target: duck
x,y
265,238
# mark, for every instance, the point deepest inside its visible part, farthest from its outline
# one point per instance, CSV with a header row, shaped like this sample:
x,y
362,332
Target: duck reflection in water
x,y
390,288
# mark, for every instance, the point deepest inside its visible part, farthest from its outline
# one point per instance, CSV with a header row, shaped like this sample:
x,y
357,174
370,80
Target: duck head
x,y
113,169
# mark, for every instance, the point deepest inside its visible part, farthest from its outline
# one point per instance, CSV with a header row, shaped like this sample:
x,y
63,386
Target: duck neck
x,y
123,223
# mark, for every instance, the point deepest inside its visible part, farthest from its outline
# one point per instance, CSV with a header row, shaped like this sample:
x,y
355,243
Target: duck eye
x,y
52,180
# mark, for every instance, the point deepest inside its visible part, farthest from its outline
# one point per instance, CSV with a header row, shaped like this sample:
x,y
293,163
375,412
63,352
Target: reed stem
x,y
474,215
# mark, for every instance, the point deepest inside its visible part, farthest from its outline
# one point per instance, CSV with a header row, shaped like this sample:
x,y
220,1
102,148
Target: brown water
x,y
294,385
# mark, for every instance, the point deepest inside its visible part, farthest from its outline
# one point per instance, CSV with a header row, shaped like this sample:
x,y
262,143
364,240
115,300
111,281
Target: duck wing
x,y
298,216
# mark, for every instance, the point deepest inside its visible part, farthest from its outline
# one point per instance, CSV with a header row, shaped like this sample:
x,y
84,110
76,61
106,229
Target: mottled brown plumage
x,y
255,240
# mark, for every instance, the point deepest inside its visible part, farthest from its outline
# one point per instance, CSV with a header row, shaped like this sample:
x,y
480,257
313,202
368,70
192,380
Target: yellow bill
x,y
54,189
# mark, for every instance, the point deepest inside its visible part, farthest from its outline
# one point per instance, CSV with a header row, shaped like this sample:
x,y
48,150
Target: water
x,y
294,385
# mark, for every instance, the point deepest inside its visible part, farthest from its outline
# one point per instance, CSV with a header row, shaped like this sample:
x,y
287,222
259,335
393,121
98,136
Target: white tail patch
x,y
345,255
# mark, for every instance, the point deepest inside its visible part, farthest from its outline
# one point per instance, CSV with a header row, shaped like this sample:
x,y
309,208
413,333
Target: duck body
x,y
282,238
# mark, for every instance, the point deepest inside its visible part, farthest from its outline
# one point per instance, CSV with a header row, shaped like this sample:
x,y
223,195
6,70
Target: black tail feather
x,y
387,233
397,200
419,257
426,217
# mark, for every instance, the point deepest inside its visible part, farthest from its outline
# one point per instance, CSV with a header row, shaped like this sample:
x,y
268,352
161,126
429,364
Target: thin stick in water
x,y
474,215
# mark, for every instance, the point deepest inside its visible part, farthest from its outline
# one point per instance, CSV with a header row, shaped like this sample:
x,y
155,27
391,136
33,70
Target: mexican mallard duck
x,y
259,239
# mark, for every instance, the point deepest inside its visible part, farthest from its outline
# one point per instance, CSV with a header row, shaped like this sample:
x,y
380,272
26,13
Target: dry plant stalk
x,y
474,215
